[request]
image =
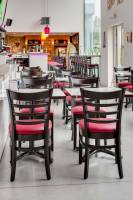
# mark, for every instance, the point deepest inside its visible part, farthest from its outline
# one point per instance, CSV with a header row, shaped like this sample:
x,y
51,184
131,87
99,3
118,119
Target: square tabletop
x,y
57,93
54,63
74,92
62,79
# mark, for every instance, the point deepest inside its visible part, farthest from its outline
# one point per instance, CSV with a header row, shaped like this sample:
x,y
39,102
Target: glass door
x,y
118,45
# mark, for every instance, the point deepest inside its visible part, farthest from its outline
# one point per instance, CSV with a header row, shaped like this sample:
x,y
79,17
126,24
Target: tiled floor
x,y
67,176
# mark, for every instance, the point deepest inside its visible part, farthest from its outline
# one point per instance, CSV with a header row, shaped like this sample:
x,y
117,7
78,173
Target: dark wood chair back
x,y
118,69
78,81
31,71
122,78
36,82
103,99
29,99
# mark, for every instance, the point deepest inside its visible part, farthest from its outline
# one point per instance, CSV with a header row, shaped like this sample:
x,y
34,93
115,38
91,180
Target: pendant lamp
x,y
47,30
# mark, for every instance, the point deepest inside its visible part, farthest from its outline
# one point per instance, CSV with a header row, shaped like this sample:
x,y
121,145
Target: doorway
x,y
118,45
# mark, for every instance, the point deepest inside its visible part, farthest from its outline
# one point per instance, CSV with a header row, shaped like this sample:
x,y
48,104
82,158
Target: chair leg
x,y
74,132
97,143
132,103
66,122
80,149
50,158
72,128
119,158
64,109
13,161
52,133
105,142
86,165
47,160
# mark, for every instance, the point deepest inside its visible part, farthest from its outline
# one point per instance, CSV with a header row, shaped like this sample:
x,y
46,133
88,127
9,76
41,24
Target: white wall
x,y
65,16
124,15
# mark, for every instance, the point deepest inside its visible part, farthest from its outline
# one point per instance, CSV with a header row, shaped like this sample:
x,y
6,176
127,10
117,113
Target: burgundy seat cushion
x,y
55,84
38,110
123,84
78,110
99,127
68,99
76,100
63,84
66,93
30,129
41,109
129,87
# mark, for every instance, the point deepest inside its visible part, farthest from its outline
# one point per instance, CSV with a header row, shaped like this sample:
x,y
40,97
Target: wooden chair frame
x,y
18,100
85,135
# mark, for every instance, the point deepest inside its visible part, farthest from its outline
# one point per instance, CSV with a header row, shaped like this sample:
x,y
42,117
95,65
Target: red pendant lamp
x,y
47,30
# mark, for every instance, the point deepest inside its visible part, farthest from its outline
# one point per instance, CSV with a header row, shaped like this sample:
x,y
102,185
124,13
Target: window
x,y
92,27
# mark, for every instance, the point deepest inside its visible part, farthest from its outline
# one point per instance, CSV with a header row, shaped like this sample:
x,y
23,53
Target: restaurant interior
x,y
66,99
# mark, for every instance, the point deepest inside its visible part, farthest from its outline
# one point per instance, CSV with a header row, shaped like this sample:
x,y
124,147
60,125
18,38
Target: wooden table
x,y
62,79
74,92
53,64
57,93
103,89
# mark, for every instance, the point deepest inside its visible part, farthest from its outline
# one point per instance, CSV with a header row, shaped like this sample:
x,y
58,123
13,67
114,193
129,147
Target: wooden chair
x,y
122,81
39,83
101,128
31,71
77,110
35,126
36,82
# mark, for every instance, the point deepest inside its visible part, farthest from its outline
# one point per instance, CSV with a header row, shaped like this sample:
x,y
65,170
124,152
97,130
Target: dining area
x,y
43,105
66,100
49,137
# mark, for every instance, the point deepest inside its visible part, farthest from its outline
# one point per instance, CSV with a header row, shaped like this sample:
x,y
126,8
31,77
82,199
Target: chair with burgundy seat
x,y
122,81
31,71
68,103
109,128
35,126
77,110
37,83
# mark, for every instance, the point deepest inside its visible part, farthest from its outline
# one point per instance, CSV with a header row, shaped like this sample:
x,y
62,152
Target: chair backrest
x,y
31,71
131,76
29,99
125,77
69,73
36,82
78,81
101,98
118,69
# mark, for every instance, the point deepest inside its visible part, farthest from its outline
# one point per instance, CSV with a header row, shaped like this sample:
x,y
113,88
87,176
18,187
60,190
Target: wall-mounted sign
x,y
128,36
110,3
